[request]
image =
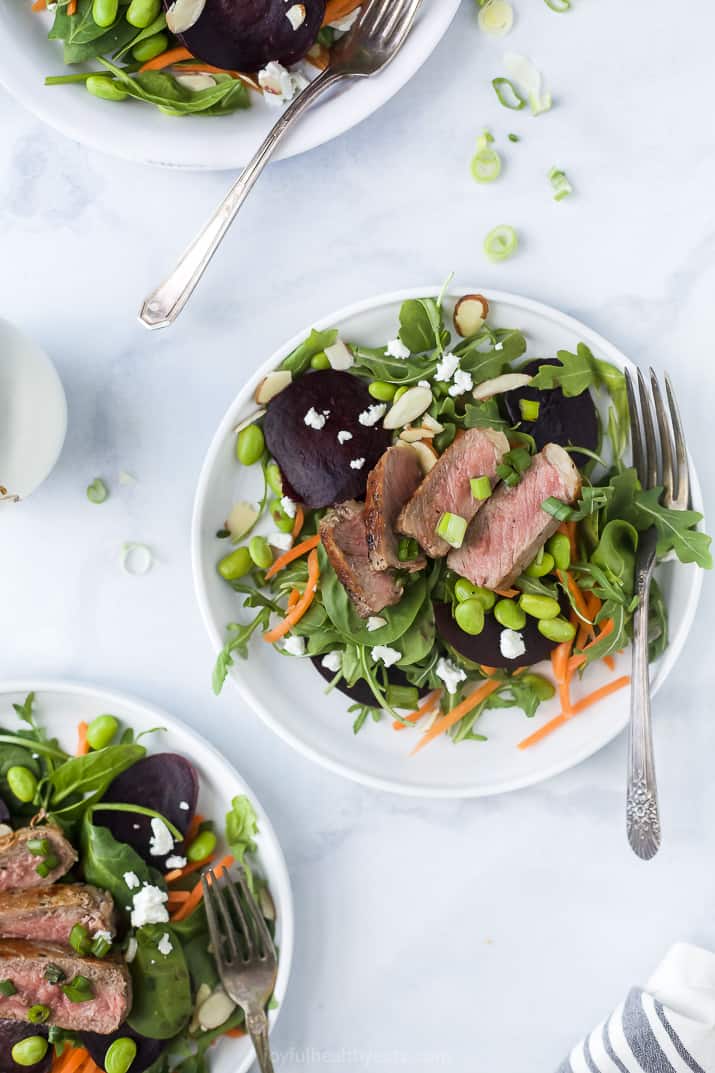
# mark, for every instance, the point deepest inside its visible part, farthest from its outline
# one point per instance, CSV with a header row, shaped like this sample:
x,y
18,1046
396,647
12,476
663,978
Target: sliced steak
x,y
25,964
18,867
48,914
506,535
342,532
390,484
446,487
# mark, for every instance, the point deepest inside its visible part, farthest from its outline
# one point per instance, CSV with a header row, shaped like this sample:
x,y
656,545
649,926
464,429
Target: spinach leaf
x,y
154,27
241,830
574,374
421,324
657,622
675,529
483,363
165,92
93,772
161,985
616,553
418,641
200,963
298,361
105,861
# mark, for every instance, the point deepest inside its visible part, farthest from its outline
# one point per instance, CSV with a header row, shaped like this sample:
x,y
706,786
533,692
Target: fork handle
x,y
257,1025
162,306
642,815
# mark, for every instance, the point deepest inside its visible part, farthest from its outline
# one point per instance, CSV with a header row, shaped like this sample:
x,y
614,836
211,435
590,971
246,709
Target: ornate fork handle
x,y
257,1025
642,816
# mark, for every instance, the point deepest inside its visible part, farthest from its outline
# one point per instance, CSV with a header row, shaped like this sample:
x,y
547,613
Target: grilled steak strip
x,y
18,867
446,487
507,533
389,485
25,965
342,532
50,913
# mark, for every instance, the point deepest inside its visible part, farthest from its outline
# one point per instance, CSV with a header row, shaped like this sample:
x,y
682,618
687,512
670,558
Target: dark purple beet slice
x,y
160,782
484,648
561,420
148,1050
361,693
245,35
4,812
315,466
11,1032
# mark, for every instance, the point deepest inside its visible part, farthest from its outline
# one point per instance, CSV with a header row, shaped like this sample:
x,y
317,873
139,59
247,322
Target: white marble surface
x,y
481,937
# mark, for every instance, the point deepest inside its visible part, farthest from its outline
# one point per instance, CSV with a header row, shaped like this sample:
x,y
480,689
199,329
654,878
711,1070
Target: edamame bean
x,y
260,551
30,1050
120,1055
541,607
381,391
399,392
101,731
250,445
464,590
141,13
542,567
556,629
273,478
22,783
150,48
104,12
469,616
283,522
235,565
559,547
509,615
105,88
202,847
543,688
320,361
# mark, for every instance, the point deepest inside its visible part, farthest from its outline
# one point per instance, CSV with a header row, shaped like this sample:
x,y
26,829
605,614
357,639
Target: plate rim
x,y
230,418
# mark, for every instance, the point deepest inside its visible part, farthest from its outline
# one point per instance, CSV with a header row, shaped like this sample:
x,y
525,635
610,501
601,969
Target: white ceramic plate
x,y
142,134
288,693
60,706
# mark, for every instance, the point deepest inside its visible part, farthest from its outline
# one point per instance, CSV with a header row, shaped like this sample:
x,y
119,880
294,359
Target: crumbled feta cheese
x,y
424,383
449,673
314,420
294,646
461,382
385,654
175,861
288,506
132,880
499,346
357,463
373,414
279,84
296,15
161,841
511,644
106,935
282,541
165,945
332,661
346,23
446,367
131,951
184,806
397,349
344,436
149,907
136,827
375,622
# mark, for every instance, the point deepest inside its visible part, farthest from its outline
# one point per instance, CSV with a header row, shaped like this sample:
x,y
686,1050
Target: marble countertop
x,y
483,936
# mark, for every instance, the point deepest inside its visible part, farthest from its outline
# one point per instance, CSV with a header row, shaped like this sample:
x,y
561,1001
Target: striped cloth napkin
x,y
668,1027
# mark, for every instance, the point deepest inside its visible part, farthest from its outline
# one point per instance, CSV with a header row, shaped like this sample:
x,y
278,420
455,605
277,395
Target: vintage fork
x,y
244,951
373,42
660,458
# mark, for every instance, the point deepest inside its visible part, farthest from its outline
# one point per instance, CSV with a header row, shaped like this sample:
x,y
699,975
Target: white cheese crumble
x,y
332,661
161,841
148,907
279,84
375,622
131,951
165,945
397,349
450,674
288,506
344,436
314,420
175,862
446,367
294,646
385,654
499,346
373,414
136,827
184,806
132,880
357,463
106,935
461,382
282,541
511,644
296,15
424,383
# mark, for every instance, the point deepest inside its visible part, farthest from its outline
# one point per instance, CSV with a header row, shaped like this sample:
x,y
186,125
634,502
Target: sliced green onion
x,y
79,989
513,137
7,988
501,242
79,939
556,509
486,165
136,559
54,974
100,947
529,409
407,549
496,17
38,1014
528,78
481,487
484,140
403,697
38,847
558,5
97,491
560,183
452,527
508,94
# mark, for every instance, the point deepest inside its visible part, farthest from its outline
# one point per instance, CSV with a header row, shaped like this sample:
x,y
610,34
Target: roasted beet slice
x,y
484,648
11,1032
148,1050
246,35
314,463
568,422
4,812
361,693
162,782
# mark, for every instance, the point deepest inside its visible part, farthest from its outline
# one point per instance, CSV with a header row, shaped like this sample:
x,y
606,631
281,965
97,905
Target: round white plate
x,y
142,134
288,693
60,706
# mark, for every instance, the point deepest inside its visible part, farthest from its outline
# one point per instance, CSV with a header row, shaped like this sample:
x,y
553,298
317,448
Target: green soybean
x,y
22,783
235,565
541,607
273,478
469,616
399,392
30,1050
283,522
556,629
260,551
559,547
250,445
101,731
509,615
105,88
150,48
543,688
104,12
202,847
381,391
540,567
141,13
464,590
120,1055
320,361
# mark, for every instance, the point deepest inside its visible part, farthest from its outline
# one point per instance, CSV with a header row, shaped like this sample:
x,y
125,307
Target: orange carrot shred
x,y
507,593
193,829
72,7
338,9
293,598
580,706
165,59
179,873
39,5
610,662
235,1033
82,743
447,721
70,1060
298,523
197,892
290,556
296,613
426,706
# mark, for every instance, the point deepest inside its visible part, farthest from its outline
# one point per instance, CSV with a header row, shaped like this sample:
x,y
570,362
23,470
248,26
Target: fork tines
x,y
659,452
238,929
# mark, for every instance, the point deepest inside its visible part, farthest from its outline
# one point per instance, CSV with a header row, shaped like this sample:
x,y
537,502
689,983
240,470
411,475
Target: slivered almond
x,y
272,385
196,82
217,1008
255,416
240,519
499,384
428,422
470,313
408,407
183,14
414,435
426,455
339,355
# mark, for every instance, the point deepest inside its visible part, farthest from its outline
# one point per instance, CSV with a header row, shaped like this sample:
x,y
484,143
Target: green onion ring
x,y
503,87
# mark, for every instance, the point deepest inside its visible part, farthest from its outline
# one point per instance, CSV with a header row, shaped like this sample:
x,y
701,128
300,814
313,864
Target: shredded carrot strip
x,y
338,9
569,528
72,7
296,613
165,59
178,896
39,5
610,662
456,714
197,892
290,556
82,743
235,1033
580,706
489,671
179,873
318,56
71,1059
559,661
293,598
578,660
298,523
507,593
193,829
578,597
426,706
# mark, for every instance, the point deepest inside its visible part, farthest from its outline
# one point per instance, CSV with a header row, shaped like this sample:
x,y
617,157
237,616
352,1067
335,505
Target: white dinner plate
x,y
60,706
288,694
140,133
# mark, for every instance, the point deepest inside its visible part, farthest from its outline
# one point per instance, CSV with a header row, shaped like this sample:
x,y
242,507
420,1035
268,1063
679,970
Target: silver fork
x,y
660,458
245,954
373,42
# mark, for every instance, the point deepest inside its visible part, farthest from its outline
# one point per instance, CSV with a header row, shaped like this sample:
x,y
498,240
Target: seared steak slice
x,y
25,964
50,913
446,487
342,532
390,484
508,532
18,867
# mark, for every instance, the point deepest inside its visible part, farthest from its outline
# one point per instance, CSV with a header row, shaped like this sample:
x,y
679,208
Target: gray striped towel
x,y
668,1027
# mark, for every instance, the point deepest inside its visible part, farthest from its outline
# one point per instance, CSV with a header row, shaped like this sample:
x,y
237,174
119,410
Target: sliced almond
x,y
240,520
272,385
196,82
470,313
5,830
426,455
429,423
414,435
250,420
203,992
217,1008
499,384
183,14
408,407
266,903
340,356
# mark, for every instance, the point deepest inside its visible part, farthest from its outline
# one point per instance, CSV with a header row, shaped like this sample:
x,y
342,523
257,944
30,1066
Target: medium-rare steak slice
x,y
18,866
32,967
508,532
342,532
446,487
390,484
48,914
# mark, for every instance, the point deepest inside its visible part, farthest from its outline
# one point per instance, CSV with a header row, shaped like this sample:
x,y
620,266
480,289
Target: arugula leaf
x,y
574,375
675,529
298,361
421,325
236,642
484,415
241,829
24,710
616,553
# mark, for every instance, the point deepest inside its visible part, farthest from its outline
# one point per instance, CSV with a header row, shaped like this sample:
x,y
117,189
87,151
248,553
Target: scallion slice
x,y
481,487
496,17
557,509
527,77
136,559
501,242
452,527
7,988
97,491
560,183
513,137
558,5
486,166
529,409
508,94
